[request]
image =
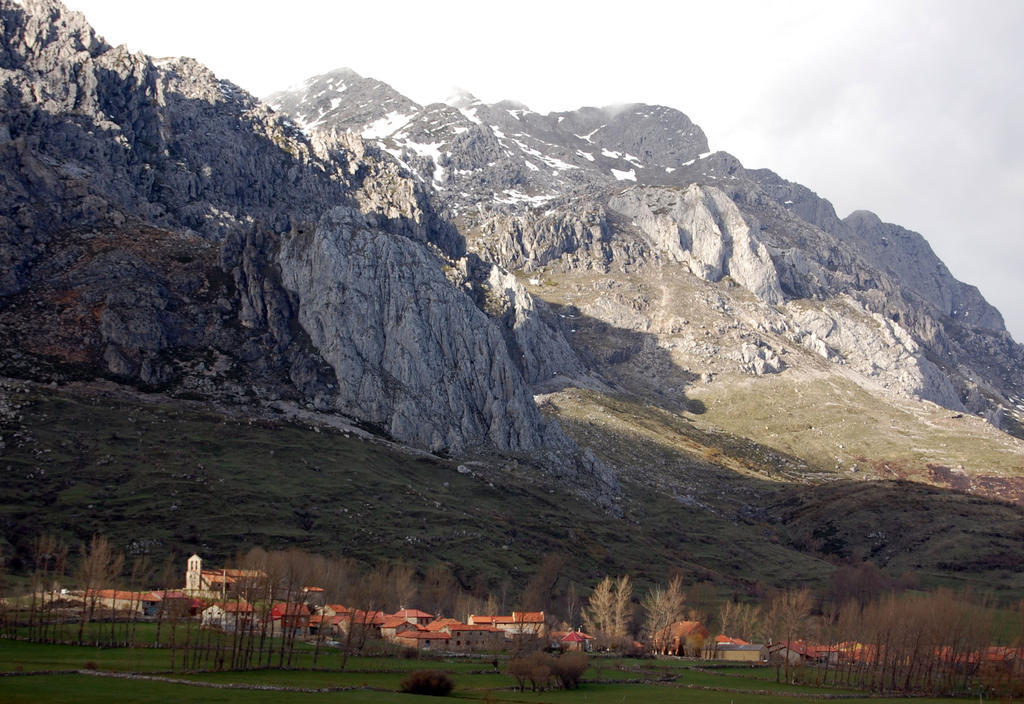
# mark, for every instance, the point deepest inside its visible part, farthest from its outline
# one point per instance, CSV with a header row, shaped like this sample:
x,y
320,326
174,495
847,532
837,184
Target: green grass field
x,y
471,684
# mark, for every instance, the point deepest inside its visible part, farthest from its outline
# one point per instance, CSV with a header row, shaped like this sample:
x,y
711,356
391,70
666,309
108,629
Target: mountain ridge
x,y
587,300
956,321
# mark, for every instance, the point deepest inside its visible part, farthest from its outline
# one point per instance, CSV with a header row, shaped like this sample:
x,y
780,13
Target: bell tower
x,y
194,574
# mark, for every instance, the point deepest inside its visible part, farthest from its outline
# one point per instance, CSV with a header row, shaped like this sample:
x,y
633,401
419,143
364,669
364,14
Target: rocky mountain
x,y
164,228
589,301
635,187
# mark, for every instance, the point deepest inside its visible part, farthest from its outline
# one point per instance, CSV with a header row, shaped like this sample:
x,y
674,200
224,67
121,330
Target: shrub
x,y
540,668
569,668
432,682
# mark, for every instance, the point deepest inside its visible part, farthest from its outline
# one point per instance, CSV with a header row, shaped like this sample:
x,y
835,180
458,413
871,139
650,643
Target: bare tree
x,y
622,612
540,592
599,613
440,589
98,564
788,614
664,606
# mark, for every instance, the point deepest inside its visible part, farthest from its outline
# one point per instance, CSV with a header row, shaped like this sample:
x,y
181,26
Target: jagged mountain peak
x,y
460,98
543,190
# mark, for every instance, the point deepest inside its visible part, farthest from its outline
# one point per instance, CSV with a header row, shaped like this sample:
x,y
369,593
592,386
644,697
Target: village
x,y
283,608
229,600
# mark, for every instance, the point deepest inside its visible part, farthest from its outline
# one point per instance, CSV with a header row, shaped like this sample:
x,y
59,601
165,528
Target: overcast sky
x,y
911,108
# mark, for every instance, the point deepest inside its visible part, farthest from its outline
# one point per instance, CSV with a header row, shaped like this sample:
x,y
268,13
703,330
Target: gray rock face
x,y
543,355
411,353
908,258
704,229
415,356
873,345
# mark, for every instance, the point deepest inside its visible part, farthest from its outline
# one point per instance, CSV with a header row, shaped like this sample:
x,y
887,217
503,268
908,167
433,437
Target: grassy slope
x,y
163,476
167,476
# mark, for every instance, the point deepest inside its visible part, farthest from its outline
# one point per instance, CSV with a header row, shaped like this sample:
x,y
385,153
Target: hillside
x,y
157,474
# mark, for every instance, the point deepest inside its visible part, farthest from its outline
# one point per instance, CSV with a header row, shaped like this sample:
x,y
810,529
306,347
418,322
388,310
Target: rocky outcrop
x,y
843,331
910,259
411,354
703,228
416,357
535,342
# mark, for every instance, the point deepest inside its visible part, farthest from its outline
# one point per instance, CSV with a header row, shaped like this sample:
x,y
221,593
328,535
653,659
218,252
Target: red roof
x,y
730,640
282,609
576,637
459,627
516,617
373,618
442,623
412,613
395,622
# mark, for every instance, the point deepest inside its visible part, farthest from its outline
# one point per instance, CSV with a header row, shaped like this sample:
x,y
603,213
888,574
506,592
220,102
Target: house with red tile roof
x,y
229,616
420,618
440,624
288,617
175,603
424,640
519,623
220,584
684,638
572,640
394,626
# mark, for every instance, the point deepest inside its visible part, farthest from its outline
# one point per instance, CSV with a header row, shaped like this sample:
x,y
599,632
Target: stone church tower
x,y
194,574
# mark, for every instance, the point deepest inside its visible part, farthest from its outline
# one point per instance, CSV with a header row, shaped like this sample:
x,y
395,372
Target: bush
x,y
539,668
432,682
569,668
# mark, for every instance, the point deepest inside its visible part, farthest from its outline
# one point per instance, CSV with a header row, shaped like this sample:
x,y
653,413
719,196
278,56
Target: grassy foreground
x,y
135,675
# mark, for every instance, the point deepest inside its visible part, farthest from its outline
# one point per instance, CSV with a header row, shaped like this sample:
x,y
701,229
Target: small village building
x,y
520,623
117,600
741,652
393,626
420,618
685,638
175,603
572,641
465,638
441,624
289,618
798,652
220,584
362,624
229,616
423,640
